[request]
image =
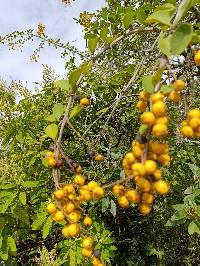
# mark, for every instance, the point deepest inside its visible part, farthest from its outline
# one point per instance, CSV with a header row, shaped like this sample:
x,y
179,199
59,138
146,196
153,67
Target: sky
x,y
59,23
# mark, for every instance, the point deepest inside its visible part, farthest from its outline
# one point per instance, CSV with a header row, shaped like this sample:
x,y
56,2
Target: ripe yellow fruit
x,y
74,216
141,106
158,147
157,174
87,252
92,185
159,108
51,162
138,144
179,85
130,158
86,195
96,261
144,208
97,193
174,96
133,196
157,97
162,120
101,264
147,118
125,164
65,231
69,207
73,230
138,169
143,184
194,122
194,113
197,58
160,130
147,198
85,102
161,187
59,216
51,208
88,243
144,96
123,202
150,166
69,189
79,170
164,159
59,194
49,154
79,180
137,152
118,190
187,131
87,221
99,157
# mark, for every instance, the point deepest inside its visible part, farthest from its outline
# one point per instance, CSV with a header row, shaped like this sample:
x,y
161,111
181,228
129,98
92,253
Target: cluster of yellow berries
x,y
197,58
191,126
88,251
178,86
156,118
147,175
67,207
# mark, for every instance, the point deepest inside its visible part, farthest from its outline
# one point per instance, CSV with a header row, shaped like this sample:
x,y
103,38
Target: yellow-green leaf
x,y
51,131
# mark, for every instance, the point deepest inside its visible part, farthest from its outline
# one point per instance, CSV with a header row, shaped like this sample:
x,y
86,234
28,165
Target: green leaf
x,y
105,204
193,227
166,89
30,184
161,16
76,110
164,44
147,83
72,256
51,131
181,38
158,75
113,208
74,76
11,244
58,110
63,84
8,202
4,248
46,227
168,7
128,19
22,198
195,169
50,118
92,44
104,32
39,220
85,67
195,38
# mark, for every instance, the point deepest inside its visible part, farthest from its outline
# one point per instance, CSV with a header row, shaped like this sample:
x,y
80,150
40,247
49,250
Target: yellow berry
x,y
79,180
87,252
118,190
194,122
144,96
187,131
73,230
133,196
147,198
51,162
97,193
59,194
74,216
164,159
59,216
65,231
160,130
141,105
137,152
69,207
150,166
96,261
157,97
87,221
69,189
85,102
197,58
51,208
159,108
49,155
174,96
88,243
144,208
143,184
147,118
179,85
157,174
123,202
92,184
130,158
194,113
162,120
161,187
99,157
138,169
